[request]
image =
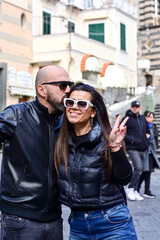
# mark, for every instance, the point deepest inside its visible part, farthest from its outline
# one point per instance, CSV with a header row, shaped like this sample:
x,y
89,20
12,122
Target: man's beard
x,y
56,105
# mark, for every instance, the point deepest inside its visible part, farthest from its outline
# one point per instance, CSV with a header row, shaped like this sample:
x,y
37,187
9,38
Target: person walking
x,y
152,155
137,143
29,192
149,97
91,167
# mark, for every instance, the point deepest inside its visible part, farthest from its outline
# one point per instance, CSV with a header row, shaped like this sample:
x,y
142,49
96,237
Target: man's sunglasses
x,y
81,104
62,84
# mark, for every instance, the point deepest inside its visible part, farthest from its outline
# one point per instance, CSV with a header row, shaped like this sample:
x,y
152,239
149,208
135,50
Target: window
x,y
46,23
89,4
91,76
23,21
96,32
123,36
71,27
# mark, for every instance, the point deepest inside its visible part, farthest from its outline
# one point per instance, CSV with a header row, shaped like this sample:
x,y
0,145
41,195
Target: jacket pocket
x,y
21,177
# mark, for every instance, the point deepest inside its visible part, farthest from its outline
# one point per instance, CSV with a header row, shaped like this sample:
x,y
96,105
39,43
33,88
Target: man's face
x,y
55,96
135,109
55,93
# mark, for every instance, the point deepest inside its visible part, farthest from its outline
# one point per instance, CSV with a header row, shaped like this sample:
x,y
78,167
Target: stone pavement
x,y
146,214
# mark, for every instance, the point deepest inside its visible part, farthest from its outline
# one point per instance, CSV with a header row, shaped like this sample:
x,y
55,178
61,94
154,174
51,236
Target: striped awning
x,y
22,91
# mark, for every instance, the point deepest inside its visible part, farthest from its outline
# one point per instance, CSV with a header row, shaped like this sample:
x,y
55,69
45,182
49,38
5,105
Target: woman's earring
x,y
91,122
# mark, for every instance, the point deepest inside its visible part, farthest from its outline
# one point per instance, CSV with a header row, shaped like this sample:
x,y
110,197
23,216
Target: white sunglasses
x,y
81,104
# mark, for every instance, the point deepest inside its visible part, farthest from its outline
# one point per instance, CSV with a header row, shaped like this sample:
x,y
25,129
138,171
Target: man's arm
x,y
8,123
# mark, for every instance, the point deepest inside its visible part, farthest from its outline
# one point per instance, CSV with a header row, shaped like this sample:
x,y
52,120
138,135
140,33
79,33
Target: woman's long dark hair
x,y
61,149
148,113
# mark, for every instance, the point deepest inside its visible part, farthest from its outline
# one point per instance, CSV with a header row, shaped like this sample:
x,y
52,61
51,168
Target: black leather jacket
x,y
85,186
28,182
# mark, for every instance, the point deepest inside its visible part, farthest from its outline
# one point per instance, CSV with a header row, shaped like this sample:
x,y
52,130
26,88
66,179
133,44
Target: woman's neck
x,y
82,128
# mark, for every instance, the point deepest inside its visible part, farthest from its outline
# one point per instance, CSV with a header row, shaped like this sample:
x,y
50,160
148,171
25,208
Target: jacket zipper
x,y
49,165
71,181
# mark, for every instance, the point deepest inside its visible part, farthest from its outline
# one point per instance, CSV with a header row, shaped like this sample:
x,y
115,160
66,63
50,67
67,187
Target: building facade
x,y
149,41
95,41
16,82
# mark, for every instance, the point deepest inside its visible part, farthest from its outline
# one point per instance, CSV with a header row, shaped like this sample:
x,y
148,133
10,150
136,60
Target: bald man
x,y
29,192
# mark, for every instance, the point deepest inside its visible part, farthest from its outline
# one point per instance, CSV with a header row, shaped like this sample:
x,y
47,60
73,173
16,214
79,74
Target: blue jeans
x,y
17,228
140,163
110,224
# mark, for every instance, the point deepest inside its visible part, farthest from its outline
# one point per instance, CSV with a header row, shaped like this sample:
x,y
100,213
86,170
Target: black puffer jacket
x,y
29,183
137,128
85,187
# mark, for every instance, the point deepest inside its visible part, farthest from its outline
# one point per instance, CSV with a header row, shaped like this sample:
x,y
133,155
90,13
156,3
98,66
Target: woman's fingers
x,y
124,122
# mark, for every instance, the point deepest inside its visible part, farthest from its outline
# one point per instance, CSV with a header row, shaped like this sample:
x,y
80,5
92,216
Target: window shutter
x,y
96,32
123,36
46,23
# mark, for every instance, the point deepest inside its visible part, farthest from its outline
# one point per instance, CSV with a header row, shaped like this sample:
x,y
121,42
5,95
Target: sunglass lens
x,y
82,104
69,103
63,86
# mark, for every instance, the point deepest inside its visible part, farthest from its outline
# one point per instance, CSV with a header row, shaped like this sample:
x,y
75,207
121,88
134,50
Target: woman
x,y
91,167
152,155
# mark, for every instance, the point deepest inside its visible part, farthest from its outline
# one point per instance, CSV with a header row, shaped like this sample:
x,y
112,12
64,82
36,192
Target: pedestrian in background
x,y
29,192
149,97
92,166
152,155
137,144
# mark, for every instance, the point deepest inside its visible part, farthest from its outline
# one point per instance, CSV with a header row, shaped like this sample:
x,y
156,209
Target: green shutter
x,y
96,32
71,27
46,23
123,36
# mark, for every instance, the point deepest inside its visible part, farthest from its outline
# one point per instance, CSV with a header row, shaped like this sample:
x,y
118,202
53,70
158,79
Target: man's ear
x,y
41,90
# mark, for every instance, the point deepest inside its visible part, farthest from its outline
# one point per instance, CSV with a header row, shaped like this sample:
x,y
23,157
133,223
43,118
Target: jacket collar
x,y
56,118
41,107
90,138
129,113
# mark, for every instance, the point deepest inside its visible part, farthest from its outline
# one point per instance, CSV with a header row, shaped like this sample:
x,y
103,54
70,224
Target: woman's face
x,y
79,116
150,118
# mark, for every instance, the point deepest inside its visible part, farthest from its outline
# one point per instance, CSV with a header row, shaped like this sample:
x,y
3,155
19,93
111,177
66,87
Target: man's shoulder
x,y
19,107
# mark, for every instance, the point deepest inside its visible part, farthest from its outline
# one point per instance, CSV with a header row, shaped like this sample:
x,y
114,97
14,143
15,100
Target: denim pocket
x,y
11,221
70,219
117,214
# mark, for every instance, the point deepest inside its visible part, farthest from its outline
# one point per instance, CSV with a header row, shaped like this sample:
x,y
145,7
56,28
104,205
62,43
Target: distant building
x,y
149,42
16,82
95,41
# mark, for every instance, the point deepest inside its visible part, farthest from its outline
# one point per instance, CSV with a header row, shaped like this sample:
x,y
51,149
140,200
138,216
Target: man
x,y
136,144
29,192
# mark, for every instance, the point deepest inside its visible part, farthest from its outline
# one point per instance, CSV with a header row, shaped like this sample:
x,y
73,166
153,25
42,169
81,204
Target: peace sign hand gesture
x,y
117,134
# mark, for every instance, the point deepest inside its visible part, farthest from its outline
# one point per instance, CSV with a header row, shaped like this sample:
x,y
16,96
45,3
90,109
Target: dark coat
x,y
153,146
85,186
137,128
155,133
29,184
